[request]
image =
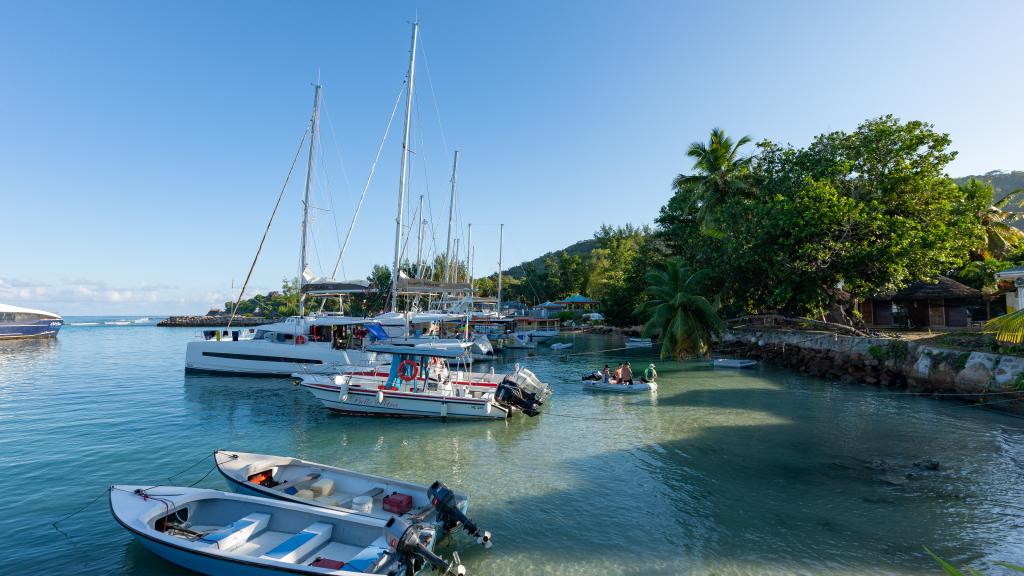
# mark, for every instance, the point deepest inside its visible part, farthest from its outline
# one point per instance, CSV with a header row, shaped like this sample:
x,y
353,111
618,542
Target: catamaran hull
x,y
258,357
365,403
37,329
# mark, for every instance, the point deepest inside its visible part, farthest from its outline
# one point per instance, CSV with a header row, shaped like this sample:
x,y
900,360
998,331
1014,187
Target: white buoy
x,y
380,396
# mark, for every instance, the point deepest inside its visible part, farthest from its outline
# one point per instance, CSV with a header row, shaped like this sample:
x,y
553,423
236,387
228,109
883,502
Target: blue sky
x,y
142,144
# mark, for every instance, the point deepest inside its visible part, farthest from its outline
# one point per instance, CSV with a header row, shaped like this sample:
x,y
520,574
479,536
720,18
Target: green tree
x,y
1001,237
678,312
720,176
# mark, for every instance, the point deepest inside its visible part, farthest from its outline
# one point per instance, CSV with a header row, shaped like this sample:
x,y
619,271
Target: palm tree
x,y
678,312
721,175
1001,237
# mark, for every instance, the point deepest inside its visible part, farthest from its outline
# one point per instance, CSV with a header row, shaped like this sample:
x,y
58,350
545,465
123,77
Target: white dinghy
x,y
296,480
420,383
634,388
561,345
733,363
221,534
638,343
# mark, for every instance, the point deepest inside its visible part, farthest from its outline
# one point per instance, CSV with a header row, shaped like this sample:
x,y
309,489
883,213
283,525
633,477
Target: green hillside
x,y
581,248
1004,182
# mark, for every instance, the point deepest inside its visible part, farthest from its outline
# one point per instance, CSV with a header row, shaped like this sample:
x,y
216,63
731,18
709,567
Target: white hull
x,y
274,358
219,533
403,403
733,363
634,388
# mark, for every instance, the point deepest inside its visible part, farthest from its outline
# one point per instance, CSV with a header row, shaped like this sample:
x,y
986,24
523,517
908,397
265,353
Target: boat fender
x,y
444,409
343,391
300,339
380,396
488,407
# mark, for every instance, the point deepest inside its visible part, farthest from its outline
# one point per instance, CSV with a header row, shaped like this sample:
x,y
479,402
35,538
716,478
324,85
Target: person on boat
x,y
627,374
607,374
650,374
617,375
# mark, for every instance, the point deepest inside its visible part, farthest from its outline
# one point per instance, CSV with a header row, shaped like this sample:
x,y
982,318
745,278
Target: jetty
x,y
212,321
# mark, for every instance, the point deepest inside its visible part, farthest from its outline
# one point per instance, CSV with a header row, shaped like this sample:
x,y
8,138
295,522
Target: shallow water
x,y
723,472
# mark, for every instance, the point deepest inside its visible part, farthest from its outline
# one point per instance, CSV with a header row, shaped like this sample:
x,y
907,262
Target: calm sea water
x,y
757,472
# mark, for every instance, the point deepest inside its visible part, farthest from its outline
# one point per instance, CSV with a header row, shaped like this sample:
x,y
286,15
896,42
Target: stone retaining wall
x,y
211,321
887,362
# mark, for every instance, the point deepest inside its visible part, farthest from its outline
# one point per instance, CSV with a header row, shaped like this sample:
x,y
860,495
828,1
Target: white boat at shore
x,y
634,388
561,345
296,480
221,534
733,363
638,343
420,383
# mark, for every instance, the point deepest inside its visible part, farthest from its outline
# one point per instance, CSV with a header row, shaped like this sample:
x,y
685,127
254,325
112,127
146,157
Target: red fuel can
x,y
398,503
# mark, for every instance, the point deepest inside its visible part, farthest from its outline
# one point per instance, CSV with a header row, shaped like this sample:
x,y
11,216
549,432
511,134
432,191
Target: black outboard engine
x,y
404,539
449,514
521,389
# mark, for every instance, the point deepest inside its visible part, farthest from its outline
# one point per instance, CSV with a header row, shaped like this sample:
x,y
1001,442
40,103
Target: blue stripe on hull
x,y
37,329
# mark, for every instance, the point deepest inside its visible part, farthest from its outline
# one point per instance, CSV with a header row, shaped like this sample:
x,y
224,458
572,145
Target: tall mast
x,y
451,218
419,240
405,163
305,202
501,239
469,258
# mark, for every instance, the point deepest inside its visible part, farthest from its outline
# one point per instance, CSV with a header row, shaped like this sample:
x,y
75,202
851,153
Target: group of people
x,y
623,374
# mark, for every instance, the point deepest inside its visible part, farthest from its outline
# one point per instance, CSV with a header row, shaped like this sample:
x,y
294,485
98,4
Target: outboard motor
x,y
482,345
405,540
521,389
449,513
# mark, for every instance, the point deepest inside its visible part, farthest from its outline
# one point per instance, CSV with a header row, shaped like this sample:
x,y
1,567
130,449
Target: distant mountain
x,y
1004,182
581,248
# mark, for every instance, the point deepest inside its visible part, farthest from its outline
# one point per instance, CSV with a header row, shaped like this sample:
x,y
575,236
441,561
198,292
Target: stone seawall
x,y
971,376
211,321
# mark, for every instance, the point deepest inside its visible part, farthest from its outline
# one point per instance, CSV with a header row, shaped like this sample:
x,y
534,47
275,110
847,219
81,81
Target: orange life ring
x,y
300,339
408,374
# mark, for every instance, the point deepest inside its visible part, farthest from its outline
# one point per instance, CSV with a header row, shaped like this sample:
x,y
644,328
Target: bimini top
x,y
420,350
9,308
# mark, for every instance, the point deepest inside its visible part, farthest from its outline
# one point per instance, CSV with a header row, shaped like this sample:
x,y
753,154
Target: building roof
x,y
577,299
1011,273
941,287
550,304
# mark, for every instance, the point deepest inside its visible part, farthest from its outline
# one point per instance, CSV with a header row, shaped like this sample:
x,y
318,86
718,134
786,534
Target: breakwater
x,y
982,377
211,321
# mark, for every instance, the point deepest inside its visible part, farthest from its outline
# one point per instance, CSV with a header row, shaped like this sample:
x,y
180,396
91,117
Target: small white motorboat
x,y
221,534
634,388
638,343
733,363
561,345
296,480
420,383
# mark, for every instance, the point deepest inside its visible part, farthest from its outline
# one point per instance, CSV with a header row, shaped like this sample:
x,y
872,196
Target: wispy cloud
x,y
82,296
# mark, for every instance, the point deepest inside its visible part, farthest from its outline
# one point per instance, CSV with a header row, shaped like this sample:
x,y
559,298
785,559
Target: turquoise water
x,y
723,472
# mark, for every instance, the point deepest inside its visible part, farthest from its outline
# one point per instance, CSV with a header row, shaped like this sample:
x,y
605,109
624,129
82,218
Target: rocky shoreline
x,y
208,321
976,377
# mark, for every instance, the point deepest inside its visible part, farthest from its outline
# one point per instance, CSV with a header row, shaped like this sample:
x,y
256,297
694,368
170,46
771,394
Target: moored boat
x,y
420,383
634,388
638,343
733,363
296,480
219,534
561,345
18,322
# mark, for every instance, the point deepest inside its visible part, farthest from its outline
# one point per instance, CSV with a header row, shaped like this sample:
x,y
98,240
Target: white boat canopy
x,y
421,350
10,308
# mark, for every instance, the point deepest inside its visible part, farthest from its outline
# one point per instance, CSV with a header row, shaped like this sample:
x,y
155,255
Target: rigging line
x,y
433,95
266,231
328,185
362,196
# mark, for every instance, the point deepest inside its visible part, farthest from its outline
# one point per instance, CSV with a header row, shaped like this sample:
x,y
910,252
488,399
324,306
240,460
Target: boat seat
x,y
302,544
323,487
238,532
365,559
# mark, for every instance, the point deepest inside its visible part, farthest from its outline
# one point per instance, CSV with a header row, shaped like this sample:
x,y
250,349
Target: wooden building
x,y
942,303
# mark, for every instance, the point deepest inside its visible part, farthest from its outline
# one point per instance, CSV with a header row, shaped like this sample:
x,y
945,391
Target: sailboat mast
x,y
405,163
451,219
469,258
419,240
305,201
501,240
